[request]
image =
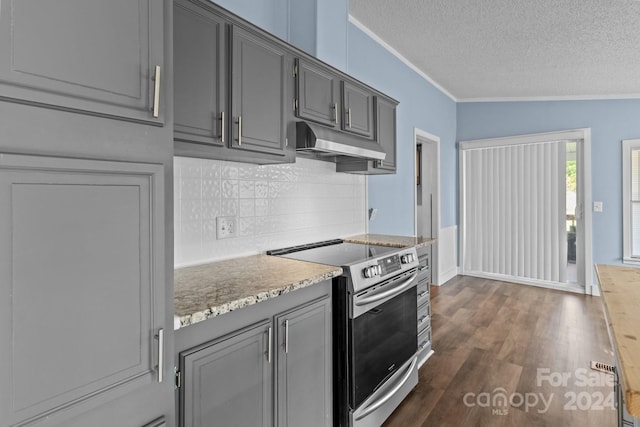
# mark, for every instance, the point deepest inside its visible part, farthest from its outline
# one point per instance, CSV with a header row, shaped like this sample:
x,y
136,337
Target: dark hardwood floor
x,y
512,355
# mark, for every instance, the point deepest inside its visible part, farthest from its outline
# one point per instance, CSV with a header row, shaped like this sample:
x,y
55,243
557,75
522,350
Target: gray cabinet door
x,y
386,133
357,105
228,382
200,79
95,56
81,291
304,366
259,93
318,94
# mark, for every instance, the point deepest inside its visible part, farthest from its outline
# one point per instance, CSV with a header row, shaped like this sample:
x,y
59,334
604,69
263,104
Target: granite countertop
x,y
208,290
621,296
389,240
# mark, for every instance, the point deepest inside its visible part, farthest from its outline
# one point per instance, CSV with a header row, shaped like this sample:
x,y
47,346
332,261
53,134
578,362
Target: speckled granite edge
x,y
390,240
209,290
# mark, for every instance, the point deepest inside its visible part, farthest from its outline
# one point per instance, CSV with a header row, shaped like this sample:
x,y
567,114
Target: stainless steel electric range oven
x,y
374,318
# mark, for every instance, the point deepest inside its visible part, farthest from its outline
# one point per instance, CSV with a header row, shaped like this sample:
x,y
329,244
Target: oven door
x,y
382,334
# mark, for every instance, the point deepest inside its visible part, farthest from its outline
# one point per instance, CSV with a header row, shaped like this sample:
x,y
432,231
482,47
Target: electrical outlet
x,y
597,206
226,226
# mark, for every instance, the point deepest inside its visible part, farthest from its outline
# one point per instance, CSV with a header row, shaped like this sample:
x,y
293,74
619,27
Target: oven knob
x,y
406,259
372,271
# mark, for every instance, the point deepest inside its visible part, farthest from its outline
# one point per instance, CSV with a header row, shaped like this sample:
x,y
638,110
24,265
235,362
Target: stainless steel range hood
x,y
325,141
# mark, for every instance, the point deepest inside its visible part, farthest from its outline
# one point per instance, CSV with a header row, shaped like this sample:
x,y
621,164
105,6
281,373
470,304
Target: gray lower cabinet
x,y
424,305
82,287
304,366
227,382
70,54
358,108
275,371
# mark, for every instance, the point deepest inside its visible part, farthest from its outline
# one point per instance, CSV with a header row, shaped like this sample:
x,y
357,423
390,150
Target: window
x,y
631,200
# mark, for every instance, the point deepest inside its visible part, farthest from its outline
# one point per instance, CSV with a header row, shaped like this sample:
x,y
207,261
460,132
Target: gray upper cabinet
x,y
304,366
96,57
81,290
227,382
231,88
259,89
317,94
200,84
386,133
358,108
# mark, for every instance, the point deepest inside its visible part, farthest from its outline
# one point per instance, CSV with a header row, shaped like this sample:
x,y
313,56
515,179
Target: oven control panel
x,y
388,265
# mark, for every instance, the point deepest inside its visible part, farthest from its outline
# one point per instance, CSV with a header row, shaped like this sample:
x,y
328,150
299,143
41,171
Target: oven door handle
x,y
406,284
394,389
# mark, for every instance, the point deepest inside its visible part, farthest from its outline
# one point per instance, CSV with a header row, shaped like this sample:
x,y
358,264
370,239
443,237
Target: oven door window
x,y
382,340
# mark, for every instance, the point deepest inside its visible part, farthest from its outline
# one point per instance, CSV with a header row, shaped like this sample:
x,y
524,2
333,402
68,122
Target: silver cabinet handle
x,y
349,117
423,294
156,92
423,319
239,130
269,345
423,268
222,126
286,336
335,112
424,345
160,337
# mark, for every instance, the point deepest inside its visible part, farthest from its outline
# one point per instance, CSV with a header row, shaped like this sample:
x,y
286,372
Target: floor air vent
x,y
602,367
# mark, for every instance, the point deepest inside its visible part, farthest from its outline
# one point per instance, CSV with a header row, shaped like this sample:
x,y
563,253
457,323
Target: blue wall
x,y
610,121
421,106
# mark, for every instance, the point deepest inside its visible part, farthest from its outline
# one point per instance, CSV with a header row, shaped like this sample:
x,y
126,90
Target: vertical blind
x,y
513,204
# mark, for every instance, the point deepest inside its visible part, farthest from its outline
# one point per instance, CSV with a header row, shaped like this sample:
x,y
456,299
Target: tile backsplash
x,y
275,205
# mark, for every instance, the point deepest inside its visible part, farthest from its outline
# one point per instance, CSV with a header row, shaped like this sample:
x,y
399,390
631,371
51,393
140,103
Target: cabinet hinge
x,y
178,379
295,70
295,104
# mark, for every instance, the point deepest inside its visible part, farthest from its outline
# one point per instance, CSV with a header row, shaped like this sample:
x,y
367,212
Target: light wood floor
x,y
494,337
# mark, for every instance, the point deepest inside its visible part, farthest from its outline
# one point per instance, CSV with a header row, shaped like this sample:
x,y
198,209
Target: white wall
x,y
276,206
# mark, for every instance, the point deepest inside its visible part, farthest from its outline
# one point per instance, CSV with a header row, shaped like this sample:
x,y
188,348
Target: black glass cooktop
x,y
336,252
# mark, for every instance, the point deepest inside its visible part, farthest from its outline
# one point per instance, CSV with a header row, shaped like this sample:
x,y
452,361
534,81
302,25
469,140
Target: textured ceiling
x,y
498,49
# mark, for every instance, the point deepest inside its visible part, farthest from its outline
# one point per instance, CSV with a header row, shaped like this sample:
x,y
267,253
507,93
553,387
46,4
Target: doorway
x,y
522,202
427,194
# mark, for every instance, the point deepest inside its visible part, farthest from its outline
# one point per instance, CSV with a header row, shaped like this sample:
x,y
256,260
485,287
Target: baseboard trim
x,y
523,281
445,276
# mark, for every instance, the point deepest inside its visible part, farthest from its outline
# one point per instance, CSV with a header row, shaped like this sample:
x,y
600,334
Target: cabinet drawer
x,y
423,293
424,342
424,317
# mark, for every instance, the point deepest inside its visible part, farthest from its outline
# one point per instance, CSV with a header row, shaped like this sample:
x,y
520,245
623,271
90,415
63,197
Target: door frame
x,y
435,219
584,251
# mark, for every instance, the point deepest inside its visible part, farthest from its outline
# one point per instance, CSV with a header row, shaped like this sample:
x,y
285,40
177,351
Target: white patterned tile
x,y
246,226
229,170
211,188
190,211
262,207
247,189
261,189
211,208
211,169
229,207
191,168
230,189
190,188
246,208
